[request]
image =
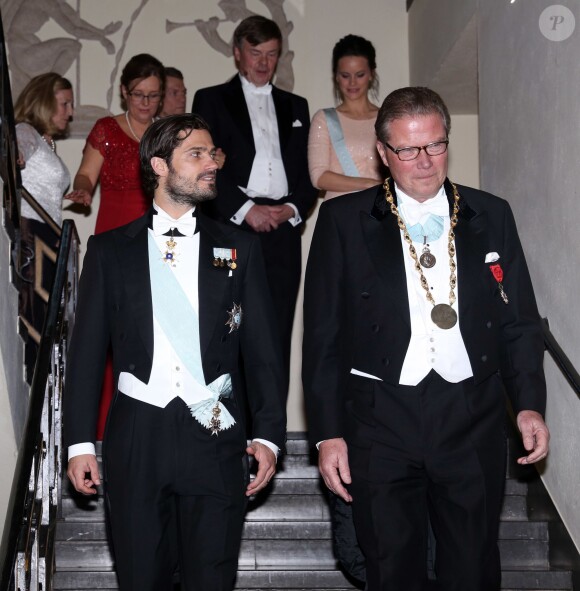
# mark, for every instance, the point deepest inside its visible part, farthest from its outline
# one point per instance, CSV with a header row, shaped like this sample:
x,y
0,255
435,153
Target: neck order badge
x,y
442,315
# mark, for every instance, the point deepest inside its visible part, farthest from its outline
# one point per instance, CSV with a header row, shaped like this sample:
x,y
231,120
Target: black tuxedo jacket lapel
x,y
381,233
235,102
471,245
283,115
135,265
212,281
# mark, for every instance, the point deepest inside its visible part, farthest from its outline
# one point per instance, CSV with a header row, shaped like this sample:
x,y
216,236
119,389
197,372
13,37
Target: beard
x,y
184,191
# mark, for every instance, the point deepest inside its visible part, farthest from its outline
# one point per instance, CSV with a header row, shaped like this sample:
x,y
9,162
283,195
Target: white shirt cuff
x,y
270,445
240,215
78,449
296,219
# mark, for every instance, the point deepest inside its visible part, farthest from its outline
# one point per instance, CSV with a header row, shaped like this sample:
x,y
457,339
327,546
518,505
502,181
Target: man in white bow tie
x,y
183,300
419,315
264,186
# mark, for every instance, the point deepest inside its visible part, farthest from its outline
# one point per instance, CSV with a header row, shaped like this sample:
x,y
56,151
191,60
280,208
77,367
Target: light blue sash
x,y
178,319
174,312
337,138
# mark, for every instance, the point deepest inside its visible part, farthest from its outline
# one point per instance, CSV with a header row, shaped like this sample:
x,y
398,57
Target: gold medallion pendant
x,y
444,316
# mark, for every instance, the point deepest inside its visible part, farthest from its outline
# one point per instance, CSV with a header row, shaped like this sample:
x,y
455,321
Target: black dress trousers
x,y
433,451
175,497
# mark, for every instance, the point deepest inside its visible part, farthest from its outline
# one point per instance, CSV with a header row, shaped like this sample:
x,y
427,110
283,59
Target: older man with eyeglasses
x,y
419,316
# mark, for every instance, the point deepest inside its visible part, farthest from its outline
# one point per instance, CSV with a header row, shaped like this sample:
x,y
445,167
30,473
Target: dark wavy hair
x,y
161,139
138,68
255,30
408,102
37,104
354,45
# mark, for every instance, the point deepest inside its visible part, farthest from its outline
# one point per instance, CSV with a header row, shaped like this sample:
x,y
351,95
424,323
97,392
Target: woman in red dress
x,y
111,156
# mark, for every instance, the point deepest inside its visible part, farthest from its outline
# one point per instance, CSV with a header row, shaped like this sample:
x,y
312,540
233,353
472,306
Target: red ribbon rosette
x,y
497,272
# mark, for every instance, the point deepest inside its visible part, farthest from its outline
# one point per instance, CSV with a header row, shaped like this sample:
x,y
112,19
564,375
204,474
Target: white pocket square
x,y
356,372
491,257
297,123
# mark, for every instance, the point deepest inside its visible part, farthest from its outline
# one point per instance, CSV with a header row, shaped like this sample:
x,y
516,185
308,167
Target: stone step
x,y
71,531
287,554
536,580
254,555
279,485
512,580
276,507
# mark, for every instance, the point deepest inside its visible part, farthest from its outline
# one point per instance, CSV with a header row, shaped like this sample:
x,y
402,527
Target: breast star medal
x,y
235,317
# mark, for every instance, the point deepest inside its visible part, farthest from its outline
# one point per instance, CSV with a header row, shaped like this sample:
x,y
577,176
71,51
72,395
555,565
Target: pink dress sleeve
x,y
319,148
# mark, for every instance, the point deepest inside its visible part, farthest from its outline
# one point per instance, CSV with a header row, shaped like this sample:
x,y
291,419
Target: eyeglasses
x,y
412,152
139,97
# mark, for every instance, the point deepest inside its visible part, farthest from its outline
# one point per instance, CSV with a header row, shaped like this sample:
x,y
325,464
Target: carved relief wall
x,y
31,53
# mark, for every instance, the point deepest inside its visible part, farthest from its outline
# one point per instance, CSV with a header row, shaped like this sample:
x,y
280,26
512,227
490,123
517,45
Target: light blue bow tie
x,y
429,231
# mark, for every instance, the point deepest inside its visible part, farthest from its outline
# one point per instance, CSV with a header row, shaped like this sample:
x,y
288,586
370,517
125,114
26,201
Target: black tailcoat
x,y
356,309
115,305
224,108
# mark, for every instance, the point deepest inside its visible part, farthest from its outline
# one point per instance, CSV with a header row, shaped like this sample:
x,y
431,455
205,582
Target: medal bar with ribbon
x,y
225,257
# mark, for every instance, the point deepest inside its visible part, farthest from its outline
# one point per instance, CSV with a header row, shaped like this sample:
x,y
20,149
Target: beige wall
x,y
529,111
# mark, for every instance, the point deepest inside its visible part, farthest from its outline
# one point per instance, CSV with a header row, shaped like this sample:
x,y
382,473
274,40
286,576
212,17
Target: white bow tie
x,y
162,225
266,89
414,211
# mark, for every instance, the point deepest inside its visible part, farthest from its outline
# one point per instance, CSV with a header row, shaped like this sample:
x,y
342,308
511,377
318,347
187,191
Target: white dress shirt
x,y
431,347
170,377
268,176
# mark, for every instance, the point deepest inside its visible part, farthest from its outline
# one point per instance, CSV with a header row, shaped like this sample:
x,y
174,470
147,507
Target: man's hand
x,y
535,436
260,218
78,468
333,466
281,213
266,466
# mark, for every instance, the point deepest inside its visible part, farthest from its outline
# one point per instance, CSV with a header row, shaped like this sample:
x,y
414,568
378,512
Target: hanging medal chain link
x,y
413,252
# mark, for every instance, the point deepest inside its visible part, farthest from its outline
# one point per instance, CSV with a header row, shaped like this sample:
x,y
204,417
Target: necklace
x,y
442,315
428,232
50,142
131,127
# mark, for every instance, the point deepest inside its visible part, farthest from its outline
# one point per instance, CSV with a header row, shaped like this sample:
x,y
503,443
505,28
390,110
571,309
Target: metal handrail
x,y
560,358
26,553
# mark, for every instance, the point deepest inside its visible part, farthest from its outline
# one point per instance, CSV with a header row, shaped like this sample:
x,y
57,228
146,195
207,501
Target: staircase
x,y
287,538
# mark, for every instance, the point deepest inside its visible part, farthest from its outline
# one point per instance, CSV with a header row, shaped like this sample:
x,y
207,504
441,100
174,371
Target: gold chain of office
x,y
413,252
